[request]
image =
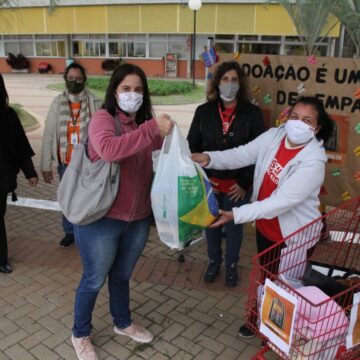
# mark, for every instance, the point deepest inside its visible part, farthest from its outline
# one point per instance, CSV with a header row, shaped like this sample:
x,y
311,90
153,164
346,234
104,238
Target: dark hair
x,y
4,97
75,66
213,93
324,120
119,74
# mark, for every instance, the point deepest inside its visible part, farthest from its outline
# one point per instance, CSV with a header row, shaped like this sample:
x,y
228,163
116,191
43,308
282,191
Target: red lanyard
x,y
74,119
226,124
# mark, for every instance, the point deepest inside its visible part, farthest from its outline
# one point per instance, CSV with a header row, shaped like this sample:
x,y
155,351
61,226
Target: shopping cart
x,y
318,254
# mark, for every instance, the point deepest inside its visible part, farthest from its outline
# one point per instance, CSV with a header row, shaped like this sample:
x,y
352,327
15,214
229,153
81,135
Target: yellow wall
x,y
123,19
205,19
235,19
161,19
167,18
90,19
64,19
7,22
273,17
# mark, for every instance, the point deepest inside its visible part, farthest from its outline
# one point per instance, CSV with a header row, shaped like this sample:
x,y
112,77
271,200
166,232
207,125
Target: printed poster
x,y
277,316
353,336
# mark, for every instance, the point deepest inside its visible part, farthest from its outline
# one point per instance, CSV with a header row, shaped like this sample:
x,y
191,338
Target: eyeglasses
x,y
77,79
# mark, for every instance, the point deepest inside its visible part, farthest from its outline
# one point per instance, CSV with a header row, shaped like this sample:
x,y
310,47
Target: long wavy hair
x,y
213,93
119,74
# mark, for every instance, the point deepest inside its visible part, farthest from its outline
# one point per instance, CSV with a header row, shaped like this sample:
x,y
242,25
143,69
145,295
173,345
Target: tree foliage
x,y
311,18
348,12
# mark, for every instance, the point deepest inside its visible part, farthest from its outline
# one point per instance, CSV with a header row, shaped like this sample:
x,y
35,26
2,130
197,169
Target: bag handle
x,y
86,134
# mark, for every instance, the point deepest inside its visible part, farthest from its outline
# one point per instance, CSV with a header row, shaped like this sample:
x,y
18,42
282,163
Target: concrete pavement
x,y
190,319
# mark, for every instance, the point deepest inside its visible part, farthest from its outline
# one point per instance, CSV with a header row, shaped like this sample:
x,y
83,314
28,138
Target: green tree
x,y
348,12
312,20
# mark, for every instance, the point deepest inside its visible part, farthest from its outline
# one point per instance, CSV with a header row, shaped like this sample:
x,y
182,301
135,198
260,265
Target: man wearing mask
x,y
67,118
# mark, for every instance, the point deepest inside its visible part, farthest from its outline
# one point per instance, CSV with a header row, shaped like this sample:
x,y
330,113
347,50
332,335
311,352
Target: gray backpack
x,y
88,189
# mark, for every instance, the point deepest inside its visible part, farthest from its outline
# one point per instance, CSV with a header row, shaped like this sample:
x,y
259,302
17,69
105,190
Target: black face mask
x,y
74,87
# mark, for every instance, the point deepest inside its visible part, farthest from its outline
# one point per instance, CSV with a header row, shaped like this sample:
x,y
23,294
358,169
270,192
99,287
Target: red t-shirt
x,y
270,228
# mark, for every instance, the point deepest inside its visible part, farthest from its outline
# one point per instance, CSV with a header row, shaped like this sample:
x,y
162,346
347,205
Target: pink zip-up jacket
x,y
133,149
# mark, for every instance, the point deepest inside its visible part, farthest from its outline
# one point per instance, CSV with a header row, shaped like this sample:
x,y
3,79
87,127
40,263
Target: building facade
x,y
143,32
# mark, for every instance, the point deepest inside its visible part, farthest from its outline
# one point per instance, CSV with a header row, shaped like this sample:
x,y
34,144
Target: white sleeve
x,y
306,180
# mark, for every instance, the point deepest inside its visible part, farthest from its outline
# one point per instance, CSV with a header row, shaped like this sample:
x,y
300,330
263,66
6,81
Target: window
x,y
77,48
89,48
17,44
117,45
43,48
11,47
117,48
271,38
224,43
245,48
177,44
248,38
224,37
272,49
136,46
157,49
224,47
136,49
92,48
50,48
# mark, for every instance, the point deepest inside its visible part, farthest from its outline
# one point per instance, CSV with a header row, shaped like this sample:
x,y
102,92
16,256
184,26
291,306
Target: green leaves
x,y
348,12
310,18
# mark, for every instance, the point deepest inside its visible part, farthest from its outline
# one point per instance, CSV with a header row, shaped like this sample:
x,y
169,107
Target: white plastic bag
x,y
182,199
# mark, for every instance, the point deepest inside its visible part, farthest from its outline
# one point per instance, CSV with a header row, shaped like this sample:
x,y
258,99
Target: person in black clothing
x,y
225,121
15,154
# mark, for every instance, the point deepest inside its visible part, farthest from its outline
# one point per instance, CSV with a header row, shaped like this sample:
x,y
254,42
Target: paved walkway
x,y
190,320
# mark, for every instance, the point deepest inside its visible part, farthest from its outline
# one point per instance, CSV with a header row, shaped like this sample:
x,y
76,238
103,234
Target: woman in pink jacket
x,y
112,245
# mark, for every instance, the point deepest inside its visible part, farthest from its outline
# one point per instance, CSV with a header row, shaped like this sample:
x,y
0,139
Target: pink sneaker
x,y
85,349
135,332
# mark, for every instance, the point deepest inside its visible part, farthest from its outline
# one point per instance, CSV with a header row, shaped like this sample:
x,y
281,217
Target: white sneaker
x,y
84,348
135,332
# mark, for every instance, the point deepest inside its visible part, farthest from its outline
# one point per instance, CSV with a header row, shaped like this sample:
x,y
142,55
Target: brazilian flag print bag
x,y
182,199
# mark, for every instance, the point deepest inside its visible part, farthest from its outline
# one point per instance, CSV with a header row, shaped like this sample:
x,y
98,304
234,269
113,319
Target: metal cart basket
x,y
325,254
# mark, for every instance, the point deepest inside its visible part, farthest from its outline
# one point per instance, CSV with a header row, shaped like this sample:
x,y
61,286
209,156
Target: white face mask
x,y
298,132
228,91
130,102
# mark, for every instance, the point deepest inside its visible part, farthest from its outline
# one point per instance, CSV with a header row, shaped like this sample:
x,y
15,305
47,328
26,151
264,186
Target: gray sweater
x,y
50,140
295,201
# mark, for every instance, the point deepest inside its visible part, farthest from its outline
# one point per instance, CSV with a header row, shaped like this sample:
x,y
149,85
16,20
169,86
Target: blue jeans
x,y
233,234
107,247
66,224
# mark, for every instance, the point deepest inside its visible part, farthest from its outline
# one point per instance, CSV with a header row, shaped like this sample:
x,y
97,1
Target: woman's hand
x,y
201,158
33,181
236,193
48,176
165,124
225,217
